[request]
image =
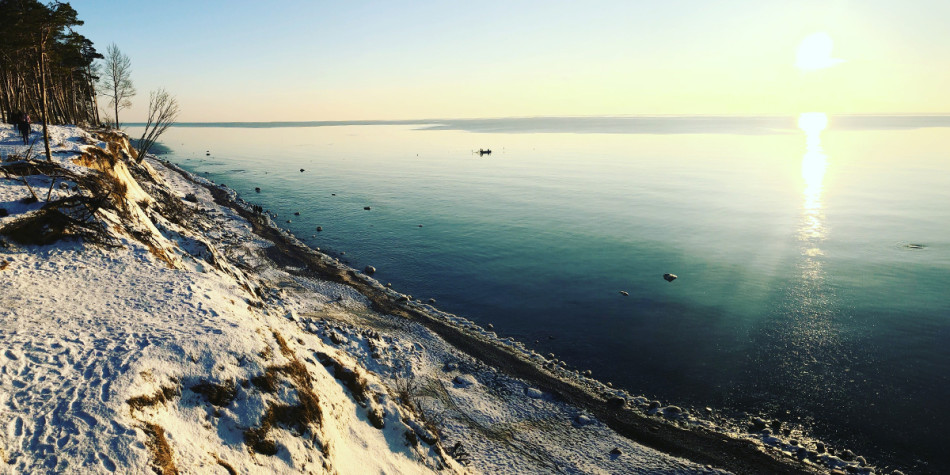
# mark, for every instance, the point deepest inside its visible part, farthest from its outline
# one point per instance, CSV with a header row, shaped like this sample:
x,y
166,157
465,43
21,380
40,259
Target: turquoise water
x,y
813,253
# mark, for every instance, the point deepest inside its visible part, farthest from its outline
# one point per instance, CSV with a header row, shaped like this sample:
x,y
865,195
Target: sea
x,y
811,252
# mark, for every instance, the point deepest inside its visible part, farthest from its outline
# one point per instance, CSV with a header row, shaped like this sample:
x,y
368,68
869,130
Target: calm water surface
x,y
813,261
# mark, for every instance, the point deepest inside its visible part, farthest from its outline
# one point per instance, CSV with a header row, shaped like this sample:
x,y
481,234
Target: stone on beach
x,y
465,380
617,401
672,411
534,393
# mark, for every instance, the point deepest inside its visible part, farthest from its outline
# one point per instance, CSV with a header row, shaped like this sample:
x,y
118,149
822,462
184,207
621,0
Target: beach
x,y
181,339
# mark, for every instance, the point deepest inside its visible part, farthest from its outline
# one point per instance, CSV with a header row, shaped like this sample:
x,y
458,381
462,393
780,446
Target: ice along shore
x,y
151,318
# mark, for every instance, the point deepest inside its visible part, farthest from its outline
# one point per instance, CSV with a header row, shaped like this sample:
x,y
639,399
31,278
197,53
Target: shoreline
x,y
185,268
619,411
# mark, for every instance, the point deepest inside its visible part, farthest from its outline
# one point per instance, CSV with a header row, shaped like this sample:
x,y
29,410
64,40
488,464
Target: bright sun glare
x,y
814,52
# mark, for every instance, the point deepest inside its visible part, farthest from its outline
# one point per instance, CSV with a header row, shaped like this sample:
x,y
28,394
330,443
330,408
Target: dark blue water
x,y
813,253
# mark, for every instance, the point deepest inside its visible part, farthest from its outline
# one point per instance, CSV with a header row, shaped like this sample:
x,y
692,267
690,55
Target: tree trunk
x,y
49,155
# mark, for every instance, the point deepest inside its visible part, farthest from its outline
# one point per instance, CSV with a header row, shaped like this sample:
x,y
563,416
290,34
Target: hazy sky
x,y
239,60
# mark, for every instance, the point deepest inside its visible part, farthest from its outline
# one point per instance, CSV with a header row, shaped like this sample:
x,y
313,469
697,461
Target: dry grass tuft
x,y
351,378
227,466
161,396
163,462
220,395
97,159
358,386
282,344
116,142
298,417
267,382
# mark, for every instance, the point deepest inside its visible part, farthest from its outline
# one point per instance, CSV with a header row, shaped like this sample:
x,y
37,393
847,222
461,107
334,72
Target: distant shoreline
x,y
646,124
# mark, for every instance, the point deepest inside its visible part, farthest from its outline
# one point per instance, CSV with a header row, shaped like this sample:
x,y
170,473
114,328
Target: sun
x,y
814,52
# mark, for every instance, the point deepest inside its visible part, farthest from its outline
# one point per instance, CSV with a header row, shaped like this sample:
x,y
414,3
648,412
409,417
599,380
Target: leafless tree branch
x,y
162,112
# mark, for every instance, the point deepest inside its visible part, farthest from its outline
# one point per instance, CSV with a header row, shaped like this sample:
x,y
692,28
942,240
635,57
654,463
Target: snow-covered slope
x,y
146,326
150,350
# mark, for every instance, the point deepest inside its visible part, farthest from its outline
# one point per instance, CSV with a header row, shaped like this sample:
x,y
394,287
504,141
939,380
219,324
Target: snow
x,y
104,344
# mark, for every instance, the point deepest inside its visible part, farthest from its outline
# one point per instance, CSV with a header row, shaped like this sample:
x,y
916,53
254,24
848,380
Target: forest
x,y
47,69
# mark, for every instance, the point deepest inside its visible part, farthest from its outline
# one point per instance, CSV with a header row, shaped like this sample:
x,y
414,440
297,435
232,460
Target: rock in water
x,y
669,277
319,229
301,170
257,189
369,270
367,208
624,293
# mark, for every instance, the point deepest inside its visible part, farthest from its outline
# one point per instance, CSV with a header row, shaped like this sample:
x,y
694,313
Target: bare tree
x,y
162,112
117,80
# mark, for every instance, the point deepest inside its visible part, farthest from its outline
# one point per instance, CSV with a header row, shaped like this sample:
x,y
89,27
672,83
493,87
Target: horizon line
x,y
528,117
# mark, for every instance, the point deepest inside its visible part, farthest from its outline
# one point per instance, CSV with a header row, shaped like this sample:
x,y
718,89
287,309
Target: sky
x,y
298,60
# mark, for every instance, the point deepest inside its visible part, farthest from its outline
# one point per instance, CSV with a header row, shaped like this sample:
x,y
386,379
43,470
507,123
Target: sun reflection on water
x,y
814,165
